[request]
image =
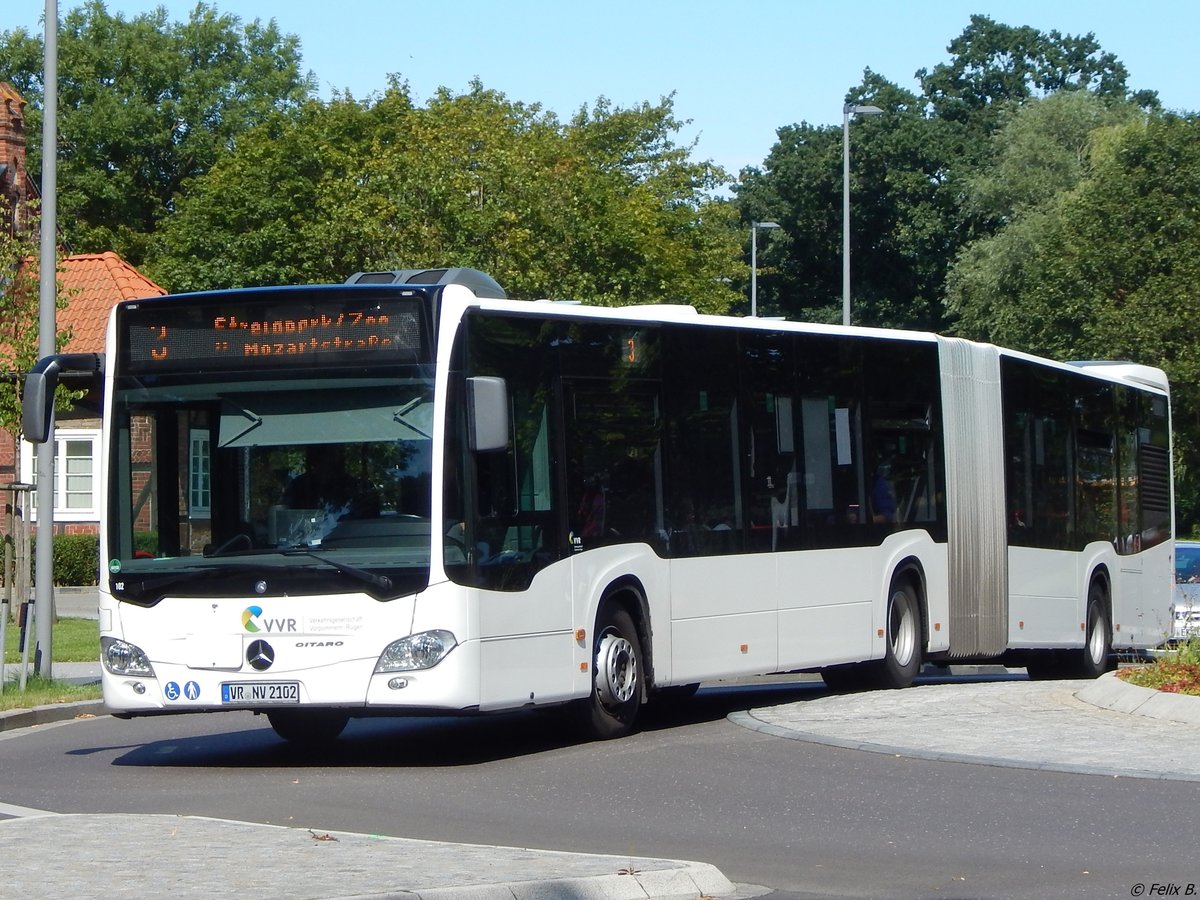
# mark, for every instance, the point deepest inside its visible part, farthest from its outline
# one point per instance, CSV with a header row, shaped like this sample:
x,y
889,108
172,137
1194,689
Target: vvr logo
x,y
254,621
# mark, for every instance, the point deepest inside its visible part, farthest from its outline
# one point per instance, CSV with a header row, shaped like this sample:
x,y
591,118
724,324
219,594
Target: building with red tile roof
x,y
92,284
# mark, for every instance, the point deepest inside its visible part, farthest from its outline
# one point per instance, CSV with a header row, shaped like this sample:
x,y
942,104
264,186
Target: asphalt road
x,y
802,818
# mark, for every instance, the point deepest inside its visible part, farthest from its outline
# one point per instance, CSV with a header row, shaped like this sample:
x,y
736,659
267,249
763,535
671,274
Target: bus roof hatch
x,y
480,283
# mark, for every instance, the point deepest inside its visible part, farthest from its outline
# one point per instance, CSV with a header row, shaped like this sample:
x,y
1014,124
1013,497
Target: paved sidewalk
x,y
187,857
1101,727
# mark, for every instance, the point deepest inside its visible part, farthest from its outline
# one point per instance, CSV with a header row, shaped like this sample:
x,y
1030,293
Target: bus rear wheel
x,y
903,652
617,677
308,727
1093,660
903,656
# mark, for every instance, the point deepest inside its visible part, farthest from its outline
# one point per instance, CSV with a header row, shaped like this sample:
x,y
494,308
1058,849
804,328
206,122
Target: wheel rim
x,y
902,627
1096,640
616,670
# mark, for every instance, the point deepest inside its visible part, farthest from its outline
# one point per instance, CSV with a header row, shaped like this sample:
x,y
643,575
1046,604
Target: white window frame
x,y
29,474
199,483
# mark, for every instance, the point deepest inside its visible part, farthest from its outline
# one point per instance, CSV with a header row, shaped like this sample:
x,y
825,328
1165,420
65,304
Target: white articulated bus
x,y
408,494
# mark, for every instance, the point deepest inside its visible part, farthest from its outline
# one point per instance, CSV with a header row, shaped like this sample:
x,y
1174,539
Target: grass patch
x,y
1177,672
44,692
71,640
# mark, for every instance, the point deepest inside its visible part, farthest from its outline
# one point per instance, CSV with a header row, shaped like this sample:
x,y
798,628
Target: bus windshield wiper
x,y
158,584
382,582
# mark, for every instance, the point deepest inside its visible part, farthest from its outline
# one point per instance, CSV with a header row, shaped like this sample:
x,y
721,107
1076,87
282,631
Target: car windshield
x,y
1187,564
325,481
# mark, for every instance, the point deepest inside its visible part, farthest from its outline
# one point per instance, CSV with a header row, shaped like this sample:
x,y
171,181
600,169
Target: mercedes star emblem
x,y
260,655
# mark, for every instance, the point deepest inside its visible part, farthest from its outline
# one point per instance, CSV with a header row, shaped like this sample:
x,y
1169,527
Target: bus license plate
x,y
256,693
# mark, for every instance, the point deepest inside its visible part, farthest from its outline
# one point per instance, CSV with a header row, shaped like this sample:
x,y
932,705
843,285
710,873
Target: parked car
x,y
1187,590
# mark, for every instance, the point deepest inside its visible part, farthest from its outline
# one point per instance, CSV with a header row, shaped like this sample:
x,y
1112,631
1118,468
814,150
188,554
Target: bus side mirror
x,y
487,414
35,405
37,400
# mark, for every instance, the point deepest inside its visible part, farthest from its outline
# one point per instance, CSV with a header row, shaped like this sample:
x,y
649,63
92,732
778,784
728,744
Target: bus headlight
x,y
417,651
123,658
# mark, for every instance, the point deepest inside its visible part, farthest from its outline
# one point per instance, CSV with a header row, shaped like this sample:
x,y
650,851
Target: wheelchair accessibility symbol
x,y
191,690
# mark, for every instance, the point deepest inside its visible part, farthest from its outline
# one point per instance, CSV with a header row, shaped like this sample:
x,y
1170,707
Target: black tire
x,y
618,682
905,638
308,727
1095,657
903,654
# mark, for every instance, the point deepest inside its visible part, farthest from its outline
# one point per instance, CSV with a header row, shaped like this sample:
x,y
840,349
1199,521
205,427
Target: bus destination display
x,y
297,332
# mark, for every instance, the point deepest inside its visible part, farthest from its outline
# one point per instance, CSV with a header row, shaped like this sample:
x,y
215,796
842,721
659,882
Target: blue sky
x,y
739,69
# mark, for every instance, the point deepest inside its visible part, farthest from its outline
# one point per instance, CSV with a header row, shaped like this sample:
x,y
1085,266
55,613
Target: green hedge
x,y
77,556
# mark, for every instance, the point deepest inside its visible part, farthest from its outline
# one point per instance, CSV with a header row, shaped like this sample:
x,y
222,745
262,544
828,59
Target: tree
x,y
1106,268
911,169
992,65
146,104
605,208
1041,149
902,214
19,314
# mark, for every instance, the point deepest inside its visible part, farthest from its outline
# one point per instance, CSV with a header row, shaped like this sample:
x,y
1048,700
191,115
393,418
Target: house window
x,y
74,474
199,475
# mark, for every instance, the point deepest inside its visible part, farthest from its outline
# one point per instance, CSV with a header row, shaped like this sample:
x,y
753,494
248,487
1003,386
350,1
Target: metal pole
x,y
753,269
48,284
846,214
6,604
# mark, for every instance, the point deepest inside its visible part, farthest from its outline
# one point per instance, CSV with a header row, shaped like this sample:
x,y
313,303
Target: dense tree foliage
x,y
605,208
992,64
145,104
910,172
902,214
1104,267
19,311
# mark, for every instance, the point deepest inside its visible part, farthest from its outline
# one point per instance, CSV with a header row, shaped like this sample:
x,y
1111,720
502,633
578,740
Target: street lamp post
x,y
754,226
847,111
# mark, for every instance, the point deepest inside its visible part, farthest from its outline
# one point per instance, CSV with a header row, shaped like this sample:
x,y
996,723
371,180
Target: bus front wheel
x,y
617,677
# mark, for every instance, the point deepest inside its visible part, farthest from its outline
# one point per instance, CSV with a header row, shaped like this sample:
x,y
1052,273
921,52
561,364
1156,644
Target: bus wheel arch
x,y
619,663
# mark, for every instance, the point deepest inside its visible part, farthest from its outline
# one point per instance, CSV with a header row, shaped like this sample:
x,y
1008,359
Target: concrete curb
x,y
57,712
1110,692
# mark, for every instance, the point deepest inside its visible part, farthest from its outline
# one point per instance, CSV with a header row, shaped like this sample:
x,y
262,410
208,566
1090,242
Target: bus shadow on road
x,y
424,741
450,741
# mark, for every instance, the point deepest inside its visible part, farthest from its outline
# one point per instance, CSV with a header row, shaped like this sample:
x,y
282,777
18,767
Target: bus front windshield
x,y
290,486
